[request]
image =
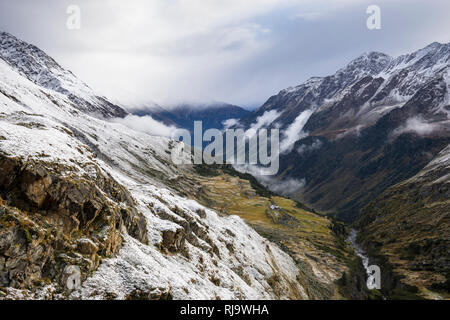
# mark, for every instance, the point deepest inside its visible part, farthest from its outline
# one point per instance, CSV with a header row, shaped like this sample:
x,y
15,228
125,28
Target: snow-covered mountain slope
x,y
41,69
359,94
78,190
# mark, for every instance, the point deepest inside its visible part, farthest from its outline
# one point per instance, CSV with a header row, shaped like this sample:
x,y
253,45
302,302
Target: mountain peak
x,y
434,48
369,62
436,45
41,69
374,55
433,58
37,66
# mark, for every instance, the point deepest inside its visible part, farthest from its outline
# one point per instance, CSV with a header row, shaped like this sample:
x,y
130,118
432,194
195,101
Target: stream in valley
x,y
362,254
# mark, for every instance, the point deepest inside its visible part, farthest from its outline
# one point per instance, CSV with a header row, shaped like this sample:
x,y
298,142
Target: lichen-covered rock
x,y
173,241
86,246
49,221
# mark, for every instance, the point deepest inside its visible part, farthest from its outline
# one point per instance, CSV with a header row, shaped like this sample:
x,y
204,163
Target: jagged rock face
x,y
78,191
49,221
41,69
374,123
407,228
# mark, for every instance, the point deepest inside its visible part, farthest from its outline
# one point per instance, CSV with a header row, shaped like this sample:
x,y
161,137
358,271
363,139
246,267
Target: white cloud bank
x,y
287,187
304,148
147,125
267,118
416,125
283,187
262,121
295,131
229,123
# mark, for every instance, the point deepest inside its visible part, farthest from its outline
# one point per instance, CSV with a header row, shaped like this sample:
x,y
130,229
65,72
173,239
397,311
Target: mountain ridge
x,y
374,153
318,91
41,69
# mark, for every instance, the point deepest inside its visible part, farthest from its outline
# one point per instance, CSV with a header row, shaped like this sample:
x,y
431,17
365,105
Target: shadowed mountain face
x,y
372,124
374,150
183,116
407,228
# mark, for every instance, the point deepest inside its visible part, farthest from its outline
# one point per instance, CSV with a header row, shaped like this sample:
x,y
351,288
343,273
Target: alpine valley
x,y
83,195
369,145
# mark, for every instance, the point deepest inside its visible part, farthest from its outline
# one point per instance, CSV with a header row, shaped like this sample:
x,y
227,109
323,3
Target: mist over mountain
x,y
213,115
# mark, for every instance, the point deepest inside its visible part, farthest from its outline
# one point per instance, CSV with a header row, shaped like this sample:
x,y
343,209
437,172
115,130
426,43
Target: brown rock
x,y
173,241
86,246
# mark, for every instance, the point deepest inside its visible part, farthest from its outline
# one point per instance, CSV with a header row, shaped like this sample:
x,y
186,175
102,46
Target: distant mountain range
x,y
212,115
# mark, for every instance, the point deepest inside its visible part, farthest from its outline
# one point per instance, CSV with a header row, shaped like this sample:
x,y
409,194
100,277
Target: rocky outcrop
x,y
51,217
173,241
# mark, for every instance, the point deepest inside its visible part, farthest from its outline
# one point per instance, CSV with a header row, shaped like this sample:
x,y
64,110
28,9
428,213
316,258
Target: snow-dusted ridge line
x,y
378,64
363,91
41,69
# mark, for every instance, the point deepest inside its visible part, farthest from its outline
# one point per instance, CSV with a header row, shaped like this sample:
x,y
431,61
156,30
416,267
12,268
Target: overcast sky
x,y
236,51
